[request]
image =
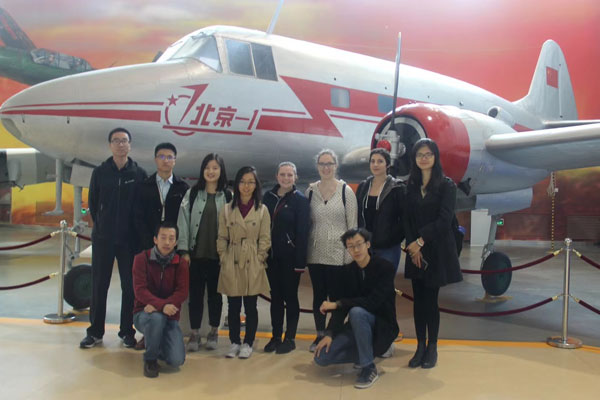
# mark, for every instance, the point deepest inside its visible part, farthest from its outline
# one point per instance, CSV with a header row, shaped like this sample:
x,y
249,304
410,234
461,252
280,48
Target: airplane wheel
x,y
78,286
496,284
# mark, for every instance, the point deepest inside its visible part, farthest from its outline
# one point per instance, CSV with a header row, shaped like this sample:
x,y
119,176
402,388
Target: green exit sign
x,y
500,222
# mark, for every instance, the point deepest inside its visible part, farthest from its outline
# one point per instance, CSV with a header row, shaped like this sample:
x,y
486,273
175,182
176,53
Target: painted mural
x,y
493,45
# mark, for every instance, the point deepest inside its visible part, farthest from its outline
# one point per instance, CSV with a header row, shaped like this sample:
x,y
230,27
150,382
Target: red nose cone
x,y
384,144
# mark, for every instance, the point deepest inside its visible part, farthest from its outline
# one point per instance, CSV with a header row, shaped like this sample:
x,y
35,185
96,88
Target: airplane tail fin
x,y
550,95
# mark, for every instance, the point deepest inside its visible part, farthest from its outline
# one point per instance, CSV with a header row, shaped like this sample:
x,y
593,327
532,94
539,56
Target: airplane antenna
x,y
274,19
396,75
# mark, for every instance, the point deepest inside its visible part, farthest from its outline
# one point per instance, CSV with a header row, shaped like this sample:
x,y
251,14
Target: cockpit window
x,y
59,60
251,59
240,58
201,47
263,61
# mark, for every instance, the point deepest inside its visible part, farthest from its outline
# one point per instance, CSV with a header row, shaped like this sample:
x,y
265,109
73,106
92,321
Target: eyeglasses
x,y
356,246
325,164
166,158
424,156
247,183
119,141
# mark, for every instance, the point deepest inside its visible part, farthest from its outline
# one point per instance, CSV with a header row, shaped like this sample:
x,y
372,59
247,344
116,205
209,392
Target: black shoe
x,y
430,358
151,369
367,377
273,344
89,341
286,346
129,341
417,359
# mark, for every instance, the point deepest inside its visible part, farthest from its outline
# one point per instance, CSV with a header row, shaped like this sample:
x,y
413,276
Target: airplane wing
x,y
550,149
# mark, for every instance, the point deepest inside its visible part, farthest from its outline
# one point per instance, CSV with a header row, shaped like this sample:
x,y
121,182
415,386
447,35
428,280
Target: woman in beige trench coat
x,y
243,242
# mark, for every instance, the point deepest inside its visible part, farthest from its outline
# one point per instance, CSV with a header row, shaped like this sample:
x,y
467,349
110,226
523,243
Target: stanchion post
x,y
564,341
61,317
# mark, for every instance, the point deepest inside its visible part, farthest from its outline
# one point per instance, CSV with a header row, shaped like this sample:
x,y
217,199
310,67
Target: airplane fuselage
x,y
251,111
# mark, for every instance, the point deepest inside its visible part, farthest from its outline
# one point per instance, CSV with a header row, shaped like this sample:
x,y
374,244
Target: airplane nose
x,y
79,110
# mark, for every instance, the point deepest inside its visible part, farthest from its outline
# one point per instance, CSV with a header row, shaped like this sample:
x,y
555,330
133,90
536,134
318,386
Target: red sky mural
x,y
492,44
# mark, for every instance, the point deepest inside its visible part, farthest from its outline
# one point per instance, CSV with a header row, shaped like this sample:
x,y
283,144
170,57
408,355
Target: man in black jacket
x,y
369,302
111,199
159,196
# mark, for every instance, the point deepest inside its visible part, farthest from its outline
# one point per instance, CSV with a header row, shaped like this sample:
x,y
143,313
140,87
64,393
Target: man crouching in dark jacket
x,y
369,302
161,283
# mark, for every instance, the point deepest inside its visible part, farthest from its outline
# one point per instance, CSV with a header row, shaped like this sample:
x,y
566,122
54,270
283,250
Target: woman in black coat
x,y
433,261
290,223
380,199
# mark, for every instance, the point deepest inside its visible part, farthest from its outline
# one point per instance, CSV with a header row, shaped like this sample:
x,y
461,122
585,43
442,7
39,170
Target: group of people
x,y
172,242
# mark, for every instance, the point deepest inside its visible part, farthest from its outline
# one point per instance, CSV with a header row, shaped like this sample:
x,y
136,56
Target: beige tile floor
x,y
39,361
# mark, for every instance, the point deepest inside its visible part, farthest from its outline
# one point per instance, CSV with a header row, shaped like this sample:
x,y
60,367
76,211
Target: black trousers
x,y
104,253
326,283
426,312
233,318
284,282
204,274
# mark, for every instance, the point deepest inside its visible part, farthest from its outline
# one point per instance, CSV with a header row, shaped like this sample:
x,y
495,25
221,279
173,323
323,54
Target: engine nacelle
x,y
460,135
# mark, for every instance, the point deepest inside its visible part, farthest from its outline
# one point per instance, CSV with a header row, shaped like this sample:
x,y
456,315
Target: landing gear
x,y
494,284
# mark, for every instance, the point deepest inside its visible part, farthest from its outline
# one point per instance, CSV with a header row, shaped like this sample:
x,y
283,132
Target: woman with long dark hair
x,y
243,243
290,222
380,199
198,226
433,260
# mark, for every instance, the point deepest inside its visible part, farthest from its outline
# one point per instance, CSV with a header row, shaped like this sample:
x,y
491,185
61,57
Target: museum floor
x,y
502,357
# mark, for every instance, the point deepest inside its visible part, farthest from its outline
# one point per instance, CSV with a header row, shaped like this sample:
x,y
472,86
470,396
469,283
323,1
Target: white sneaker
x,y
234,350
389,352
193,343
245,351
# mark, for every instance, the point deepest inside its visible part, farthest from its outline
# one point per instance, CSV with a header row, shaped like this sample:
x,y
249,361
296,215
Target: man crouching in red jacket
x,y
160,283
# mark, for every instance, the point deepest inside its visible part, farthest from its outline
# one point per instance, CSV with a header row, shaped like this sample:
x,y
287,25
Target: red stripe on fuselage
x,y
316,98
186,129
92,103
130,115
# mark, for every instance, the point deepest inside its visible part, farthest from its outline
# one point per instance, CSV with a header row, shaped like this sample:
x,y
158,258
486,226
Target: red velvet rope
x,y
489,314
591,262
26,284
20,246
89,239
499,271
302,310
589,306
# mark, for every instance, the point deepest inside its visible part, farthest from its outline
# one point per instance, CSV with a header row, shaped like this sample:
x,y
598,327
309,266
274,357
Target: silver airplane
x,y
259,98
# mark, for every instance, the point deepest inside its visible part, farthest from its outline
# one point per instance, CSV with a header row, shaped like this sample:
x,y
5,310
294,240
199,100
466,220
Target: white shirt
x,y
163,190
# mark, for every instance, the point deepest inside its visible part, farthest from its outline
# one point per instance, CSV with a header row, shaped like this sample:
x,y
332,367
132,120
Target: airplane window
x,y
263,62
202,48
384,104
240,59
340,98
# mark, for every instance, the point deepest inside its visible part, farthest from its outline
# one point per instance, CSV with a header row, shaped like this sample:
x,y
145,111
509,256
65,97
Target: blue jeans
x,y
163,337
392,254
353,345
